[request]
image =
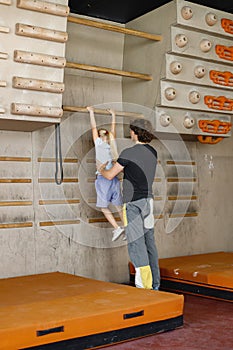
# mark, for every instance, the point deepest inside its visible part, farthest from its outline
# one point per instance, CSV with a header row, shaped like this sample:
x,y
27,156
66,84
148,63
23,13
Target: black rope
x,y
58,155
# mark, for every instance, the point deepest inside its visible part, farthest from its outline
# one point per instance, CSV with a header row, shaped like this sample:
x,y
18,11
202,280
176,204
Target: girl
x,y
108,191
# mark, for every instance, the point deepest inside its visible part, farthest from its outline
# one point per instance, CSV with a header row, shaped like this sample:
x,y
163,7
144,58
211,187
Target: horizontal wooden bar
x,y
51,180
16,225
39,59
98,69
14,181
53,160
114,28
40,33
99,220
2,83
157,179
178,162
5,2
38,85
176,179
3,55
45,7
4,29
60,222
15,203
15,159
182,198
101,111
34,110
185,215
58,201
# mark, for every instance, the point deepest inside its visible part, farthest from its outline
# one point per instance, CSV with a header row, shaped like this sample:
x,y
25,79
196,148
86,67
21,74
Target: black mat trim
x,y
108,338
201,290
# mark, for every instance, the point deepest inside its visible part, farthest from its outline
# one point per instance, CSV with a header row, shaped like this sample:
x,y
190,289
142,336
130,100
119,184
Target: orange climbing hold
x,y
214,126
224,52
221,78
227,25
211,140
221,102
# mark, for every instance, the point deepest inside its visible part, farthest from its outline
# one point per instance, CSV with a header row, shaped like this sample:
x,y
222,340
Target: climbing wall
x,y
196,93
32,60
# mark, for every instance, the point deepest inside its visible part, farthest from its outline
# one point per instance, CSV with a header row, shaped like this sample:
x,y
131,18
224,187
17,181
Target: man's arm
x,y
111,173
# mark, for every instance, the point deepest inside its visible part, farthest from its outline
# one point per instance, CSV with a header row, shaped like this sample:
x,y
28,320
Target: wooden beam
x,y
101,111
44,7
38,85
53,160
180,162
39,59
98,69
182,198
60,222
114,28
15,181
16,225
15,203
40,33
183,215
58,201
15,159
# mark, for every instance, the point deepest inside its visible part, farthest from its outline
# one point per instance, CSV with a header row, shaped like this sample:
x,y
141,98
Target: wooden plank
x,y
99,220
101,111
16,225
176,179
44,7
15,203
2,83
60,222
5,2
114,28
53,160
15,159
51,180
182,198
40,33
185,215
14,181
39,59
38,85
98,69
179,162
4,29
35,110
58,201
3,55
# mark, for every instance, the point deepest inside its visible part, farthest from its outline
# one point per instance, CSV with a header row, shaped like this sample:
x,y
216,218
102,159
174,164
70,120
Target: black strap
x,y
58,155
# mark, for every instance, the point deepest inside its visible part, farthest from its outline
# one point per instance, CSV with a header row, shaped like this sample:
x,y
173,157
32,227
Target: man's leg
x,y
153,257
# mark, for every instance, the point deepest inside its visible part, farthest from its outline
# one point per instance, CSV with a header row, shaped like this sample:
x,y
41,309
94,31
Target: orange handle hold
x,y
219,103
214,126
224,52
227,25
221,78
211,140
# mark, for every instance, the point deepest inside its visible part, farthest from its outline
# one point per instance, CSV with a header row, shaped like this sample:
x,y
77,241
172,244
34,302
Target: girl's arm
x,y
93,123
113,126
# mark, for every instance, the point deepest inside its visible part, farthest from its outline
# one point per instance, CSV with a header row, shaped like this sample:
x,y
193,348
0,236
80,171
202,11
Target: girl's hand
x,y
90,109
111,111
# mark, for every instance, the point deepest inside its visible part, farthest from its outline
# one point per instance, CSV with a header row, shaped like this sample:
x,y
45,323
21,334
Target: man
x,y
139,165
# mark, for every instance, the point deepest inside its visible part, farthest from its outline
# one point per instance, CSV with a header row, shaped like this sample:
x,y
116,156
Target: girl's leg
x,y
108,214
120,212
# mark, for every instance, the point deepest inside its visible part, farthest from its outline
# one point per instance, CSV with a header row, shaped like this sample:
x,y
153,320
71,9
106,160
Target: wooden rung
x,y
16,225
99,220
14,181
101,111
4,29
43,6
2,110
38,85
158,198
39,59
58,201
5,2
99,69
2,83
40,33
51,180
60,222
182,198
114,28
185,215
157,179
3,55
53,160
176,179
158,217
177,162
15,203
34,110
15,159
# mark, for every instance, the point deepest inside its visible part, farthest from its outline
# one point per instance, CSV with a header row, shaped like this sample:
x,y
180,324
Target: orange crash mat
x,y
62,311
209,275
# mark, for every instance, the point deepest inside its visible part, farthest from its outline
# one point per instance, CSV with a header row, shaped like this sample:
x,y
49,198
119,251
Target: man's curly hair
x,y
143,129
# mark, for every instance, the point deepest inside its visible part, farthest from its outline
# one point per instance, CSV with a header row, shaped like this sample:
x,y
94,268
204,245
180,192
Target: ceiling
x,y
123,11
